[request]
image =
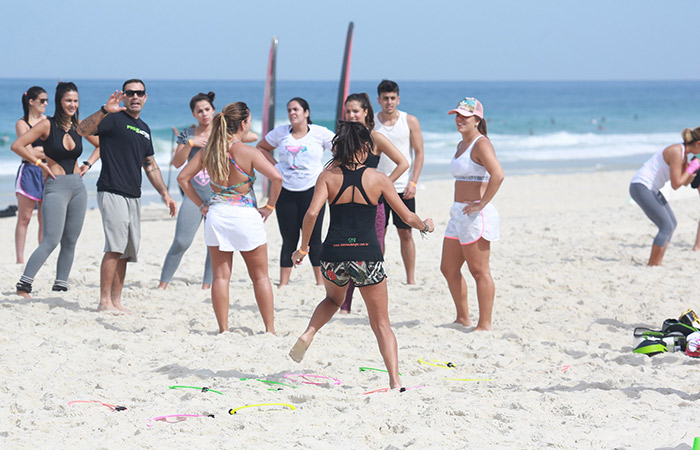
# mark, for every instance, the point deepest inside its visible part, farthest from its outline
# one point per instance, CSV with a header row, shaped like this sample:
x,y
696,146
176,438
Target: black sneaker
x,y
24,287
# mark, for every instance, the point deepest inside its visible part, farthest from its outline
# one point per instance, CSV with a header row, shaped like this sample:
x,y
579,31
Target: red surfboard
x,y
344,87
268,107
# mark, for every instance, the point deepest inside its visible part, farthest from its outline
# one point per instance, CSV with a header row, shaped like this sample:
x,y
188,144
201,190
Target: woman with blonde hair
x,y
669,164
474,222
190,141
234,221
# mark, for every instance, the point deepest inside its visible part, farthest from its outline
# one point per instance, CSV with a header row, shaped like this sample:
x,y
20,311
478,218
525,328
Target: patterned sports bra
x,y
230,196
464,168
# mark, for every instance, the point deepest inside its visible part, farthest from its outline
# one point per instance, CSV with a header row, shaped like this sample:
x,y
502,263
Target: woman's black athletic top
x,y
54,149
352,235
36,143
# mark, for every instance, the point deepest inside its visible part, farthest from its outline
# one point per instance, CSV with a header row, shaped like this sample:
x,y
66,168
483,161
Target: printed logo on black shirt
x,y
139,131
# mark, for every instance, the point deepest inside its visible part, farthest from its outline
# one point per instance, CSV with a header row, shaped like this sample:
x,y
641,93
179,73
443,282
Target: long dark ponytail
x,y
363,99
31,94
351,144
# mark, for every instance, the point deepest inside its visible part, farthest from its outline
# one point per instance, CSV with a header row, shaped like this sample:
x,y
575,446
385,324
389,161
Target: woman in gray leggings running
x,y
65,197
669,164
191,141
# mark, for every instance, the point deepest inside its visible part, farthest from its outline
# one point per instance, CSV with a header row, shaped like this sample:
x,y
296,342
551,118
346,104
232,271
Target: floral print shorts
x,y
363,273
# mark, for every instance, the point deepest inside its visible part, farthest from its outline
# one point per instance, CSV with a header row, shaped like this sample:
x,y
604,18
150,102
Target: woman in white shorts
x,y
234,221
473,219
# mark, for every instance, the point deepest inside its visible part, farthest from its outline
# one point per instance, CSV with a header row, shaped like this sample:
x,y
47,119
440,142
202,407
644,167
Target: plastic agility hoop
x,y
403,389
180,417
233,411
438,363
296,376
112,407
468,379
372,369
203,389
270,382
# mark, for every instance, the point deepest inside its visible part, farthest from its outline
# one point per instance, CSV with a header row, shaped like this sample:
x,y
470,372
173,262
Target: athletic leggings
x,y
290,208
63,210
188,219
657,209
380,225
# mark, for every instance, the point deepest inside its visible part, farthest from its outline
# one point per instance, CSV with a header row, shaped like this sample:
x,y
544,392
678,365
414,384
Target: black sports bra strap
x,y
349,181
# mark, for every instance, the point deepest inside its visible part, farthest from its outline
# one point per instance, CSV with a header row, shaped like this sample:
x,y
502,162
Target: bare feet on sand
x,y
299,350
24,294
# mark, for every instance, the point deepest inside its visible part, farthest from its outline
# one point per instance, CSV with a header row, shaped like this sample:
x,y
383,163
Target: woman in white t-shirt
x,y
300,160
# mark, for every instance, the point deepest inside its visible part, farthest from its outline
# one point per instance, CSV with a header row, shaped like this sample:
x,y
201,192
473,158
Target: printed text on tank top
x,y
464,168
229,195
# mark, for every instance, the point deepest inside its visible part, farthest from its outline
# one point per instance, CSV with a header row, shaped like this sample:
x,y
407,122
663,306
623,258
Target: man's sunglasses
x,y
131,93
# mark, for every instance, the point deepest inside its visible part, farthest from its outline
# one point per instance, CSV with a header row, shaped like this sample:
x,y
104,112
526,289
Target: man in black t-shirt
x,y
125,146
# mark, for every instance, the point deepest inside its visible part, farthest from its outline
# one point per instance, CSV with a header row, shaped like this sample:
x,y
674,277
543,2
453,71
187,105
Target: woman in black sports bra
x,y
65,197
351,249
358,108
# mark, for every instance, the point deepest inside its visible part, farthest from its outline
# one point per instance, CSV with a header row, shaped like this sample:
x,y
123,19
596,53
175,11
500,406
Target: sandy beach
x,y
557,372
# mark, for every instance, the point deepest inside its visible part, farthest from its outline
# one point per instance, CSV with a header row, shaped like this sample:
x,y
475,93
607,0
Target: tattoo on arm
x,y
89,126
149,164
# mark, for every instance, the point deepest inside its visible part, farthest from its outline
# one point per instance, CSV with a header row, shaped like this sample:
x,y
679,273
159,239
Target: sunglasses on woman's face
x,y
131,93
43,100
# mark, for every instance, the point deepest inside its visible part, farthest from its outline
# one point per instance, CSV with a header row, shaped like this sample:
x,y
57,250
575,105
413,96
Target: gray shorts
x,y
121,221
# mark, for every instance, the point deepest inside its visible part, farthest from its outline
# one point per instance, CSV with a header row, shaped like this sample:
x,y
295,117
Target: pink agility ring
x,y
108,405
295,377
180,418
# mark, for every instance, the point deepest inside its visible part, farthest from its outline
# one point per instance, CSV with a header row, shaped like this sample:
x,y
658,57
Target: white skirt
x,y
234,228
470,228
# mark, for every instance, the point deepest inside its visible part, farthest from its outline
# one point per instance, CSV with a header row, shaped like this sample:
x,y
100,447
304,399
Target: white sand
x,y
571,285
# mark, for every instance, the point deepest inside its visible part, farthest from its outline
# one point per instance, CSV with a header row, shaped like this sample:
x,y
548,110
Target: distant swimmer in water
x,y
668,164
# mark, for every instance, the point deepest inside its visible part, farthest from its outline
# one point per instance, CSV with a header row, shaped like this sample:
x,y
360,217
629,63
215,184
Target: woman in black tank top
x,y
29,184
65,197
358,108
351,250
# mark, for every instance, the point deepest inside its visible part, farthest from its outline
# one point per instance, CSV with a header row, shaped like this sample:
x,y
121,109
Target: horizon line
x,y
543,80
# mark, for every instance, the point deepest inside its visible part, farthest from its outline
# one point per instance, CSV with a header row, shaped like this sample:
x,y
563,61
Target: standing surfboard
x,y
344,87
268,107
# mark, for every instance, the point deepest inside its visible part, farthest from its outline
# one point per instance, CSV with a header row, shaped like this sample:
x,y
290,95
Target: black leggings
x,y
290,209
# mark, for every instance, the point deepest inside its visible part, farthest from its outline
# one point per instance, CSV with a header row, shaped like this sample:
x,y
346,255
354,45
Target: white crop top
x,y
464,168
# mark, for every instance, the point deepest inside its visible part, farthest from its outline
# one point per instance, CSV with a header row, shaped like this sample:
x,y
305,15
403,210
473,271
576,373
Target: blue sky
x,y
406,40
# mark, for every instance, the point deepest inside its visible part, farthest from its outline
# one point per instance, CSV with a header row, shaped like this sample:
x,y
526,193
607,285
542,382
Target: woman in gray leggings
x,y
669,164
65,197
190,141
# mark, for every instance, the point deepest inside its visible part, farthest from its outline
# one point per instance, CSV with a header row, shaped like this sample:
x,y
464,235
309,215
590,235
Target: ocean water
x,y
534,126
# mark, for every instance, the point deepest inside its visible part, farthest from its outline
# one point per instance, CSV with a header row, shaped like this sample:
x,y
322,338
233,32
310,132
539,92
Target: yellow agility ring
x,y
437,363
233,411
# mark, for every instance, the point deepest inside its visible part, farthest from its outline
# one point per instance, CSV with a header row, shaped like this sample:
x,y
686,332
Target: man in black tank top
x,y
125,147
